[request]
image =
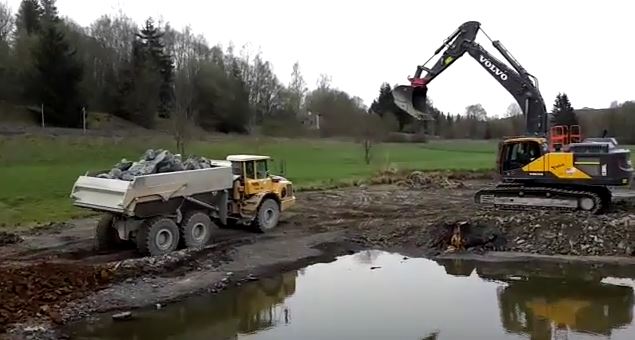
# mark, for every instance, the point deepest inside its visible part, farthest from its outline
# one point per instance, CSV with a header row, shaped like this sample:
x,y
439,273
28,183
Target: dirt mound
x,y
421,180
446,179
42,289
9,238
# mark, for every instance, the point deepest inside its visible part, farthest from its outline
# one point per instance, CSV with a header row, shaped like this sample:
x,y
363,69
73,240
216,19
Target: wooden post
x,y
84,118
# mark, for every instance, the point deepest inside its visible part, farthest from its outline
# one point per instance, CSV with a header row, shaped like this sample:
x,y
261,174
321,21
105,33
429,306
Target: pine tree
x,y
58,74
563,113
151,39
239,110
28,17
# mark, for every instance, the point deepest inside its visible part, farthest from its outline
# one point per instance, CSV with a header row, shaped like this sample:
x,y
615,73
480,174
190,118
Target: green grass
x,y
37,173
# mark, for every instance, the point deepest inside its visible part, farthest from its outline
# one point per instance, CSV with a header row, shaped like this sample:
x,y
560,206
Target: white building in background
x,y
311,120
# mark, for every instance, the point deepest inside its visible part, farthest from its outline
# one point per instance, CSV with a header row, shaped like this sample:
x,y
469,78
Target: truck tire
x,y
158,236
196,229
106,236
268,215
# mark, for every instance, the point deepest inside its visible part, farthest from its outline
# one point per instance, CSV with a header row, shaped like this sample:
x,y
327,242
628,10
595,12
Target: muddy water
x,y
378,295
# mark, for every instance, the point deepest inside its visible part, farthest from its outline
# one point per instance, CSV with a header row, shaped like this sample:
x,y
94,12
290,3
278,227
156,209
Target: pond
x,y
379,295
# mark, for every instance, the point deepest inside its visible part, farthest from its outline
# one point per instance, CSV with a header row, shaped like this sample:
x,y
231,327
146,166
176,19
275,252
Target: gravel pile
x,y
153,162
539,233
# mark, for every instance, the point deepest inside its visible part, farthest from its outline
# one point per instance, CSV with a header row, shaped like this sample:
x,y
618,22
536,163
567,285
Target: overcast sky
x,y
583,48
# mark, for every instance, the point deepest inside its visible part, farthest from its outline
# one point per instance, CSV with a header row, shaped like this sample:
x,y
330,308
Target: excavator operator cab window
x,y
518,154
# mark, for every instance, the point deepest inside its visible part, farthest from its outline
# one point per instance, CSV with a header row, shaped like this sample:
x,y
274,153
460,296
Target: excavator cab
x,y
516,153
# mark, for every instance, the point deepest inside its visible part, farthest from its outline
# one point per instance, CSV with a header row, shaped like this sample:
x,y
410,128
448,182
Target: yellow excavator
x,y
547,167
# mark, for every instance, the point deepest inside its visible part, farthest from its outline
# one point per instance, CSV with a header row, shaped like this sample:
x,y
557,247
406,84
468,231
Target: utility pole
x,y
42,111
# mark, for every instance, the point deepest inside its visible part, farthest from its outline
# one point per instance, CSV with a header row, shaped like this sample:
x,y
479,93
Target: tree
x,y
297,90
147,80
151,44
384,104
371,131
28,17
107,53
138,97
58,74
563,113
49,11
476,118
476,112
6,23
188,56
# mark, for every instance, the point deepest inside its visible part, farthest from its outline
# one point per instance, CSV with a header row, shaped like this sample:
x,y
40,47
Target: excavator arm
x,y
516,80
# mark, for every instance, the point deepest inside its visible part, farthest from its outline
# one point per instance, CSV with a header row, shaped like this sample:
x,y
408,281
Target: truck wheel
x,y
268,215
196,229
106,236
158,236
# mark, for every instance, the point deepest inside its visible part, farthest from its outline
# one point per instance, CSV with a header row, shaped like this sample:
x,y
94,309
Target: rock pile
x,y
155,161
546,233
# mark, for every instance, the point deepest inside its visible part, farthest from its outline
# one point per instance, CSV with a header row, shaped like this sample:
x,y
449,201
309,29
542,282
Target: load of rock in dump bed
x,y
153,162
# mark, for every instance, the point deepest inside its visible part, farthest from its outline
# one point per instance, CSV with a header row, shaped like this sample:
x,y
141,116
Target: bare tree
x,y
188,52
297,89
371,131
6,22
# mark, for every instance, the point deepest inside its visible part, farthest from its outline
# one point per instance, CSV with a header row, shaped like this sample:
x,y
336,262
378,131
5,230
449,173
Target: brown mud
x,y
52,276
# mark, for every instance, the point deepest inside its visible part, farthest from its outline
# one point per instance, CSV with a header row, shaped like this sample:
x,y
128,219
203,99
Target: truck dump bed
x,y
121,196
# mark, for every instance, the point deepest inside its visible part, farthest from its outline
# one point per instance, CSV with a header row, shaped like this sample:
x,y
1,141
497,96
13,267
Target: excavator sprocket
x,y
519,197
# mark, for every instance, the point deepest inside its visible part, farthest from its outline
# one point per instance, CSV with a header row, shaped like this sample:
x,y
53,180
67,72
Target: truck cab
x,y
255,186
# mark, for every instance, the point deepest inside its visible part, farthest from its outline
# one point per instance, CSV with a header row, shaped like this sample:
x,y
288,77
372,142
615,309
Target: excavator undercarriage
x,y
516,196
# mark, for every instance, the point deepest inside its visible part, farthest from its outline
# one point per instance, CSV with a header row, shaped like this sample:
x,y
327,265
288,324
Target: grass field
x,y
37,173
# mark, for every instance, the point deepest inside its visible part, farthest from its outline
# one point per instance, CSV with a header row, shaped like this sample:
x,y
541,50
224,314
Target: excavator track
x,y
518,197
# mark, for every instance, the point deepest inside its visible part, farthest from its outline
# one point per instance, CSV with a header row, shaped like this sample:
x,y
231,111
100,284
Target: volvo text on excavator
x,y
547,167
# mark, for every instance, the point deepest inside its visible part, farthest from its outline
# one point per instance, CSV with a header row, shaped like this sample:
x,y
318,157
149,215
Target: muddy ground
x,y
51,275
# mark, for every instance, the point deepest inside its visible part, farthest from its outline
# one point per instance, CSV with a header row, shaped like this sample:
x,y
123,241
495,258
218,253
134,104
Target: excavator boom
x,y
516,80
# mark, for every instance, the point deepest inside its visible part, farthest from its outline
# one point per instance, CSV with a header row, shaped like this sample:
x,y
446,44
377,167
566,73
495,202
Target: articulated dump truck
x,y
162,212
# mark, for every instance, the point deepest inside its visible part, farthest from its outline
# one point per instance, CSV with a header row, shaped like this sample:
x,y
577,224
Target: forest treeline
x,y
148,72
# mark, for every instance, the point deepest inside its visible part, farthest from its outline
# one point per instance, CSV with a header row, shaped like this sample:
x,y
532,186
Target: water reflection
x,y
252,307
553,300
415,299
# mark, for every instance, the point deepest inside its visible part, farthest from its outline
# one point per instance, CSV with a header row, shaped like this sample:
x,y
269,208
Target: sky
x,y
583,48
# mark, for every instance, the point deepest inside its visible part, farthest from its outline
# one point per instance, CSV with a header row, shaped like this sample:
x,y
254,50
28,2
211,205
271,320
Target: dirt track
x,y
67,280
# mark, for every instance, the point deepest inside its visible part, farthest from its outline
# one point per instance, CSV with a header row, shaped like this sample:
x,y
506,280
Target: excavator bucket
x,y
412,99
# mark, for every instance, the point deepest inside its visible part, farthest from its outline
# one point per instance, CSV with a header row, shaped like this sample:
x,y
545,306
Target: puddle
x,y
400,299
